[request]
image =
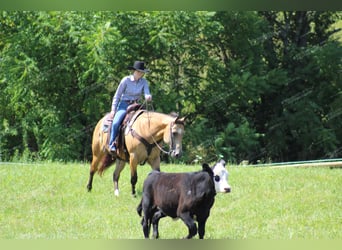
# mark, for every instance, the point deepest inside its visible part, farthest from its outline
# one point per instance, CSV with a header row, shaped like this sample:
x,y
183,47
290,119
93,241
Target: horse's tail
x,y
106,163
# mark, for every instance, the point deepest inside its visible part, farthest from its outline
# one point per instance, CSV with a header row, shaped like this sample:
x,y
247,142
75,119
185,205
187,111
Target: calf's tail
x,y
139,208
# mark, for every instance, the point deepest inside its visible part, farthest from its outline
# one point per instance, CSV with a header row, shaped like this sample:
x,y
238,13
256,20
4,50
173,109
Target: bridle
x,y
150,146
172,139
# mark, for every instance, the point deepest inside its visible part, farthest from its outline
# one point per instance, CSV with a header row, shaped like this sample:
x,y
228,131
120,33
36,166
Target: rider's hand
x,y
148,98
112,113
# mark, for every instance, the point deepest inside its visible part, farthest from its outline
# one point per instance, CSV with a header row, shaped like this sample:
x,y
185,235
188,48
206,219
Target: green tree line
x,y
256,86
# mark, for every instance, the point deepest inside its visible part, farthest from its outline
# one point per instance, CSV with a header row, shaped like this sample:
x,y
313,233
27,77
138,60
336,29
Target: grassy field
x,y
50,201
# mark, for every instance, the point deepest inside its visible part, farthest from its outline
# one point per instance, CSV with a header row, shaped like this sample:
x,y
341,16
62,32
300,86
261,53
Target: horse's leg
x,y
92,171
90,180
134,176
155,163
116,175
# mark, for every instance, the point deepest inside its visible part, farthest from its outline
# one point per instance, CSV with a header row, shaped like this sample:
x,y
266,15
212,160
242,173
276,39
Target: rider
x,y
129,91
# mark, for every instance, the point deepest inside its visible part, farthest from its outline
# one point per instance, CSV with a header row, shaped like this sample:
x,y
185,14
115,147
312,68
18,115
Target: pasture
x,y
50,201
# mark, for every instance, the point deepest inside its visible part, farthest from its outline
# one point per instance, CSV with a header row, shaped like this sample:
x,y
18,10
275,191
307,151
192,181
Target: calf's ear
x,y
207,168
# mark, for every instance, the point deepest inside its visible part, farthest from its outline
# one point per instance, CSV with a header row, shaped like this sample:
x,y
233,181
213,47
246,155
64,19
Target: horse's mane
x,y
171,114
174,114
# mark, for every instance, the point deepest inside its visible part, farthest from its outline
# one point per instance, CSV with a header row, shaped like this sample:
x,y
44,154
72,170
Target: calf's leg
x,y
146,226
147,212
190,223
201,227
147,220
155,221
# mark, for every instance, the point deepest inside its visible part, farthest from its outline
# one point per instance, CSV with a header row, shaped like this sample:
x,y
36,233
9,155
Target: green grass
x,y
50,201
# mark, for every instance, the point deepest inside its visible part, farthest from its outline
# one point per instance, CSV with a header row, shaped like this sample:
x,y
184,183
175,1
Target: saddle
x,y
127,121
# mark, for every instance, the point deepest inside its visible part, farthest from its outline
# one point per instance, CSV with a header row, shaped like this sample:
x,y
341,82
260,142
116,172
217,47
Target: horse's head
x,y
174,135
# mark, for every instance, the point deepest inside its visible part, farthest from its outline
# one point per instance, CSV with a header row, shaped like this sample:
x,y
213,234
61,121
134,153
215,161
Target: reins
x,y
149,146
160,148
147,104
171,139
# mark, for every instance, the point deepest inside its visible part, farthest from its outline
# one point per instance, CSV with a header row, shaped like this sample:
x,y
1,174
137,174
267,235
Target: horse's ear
x,y
181,120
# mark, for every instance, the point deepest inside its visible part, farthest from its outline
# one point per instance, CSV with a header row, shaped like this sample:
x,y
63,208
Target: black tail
x,y
139,208
106,163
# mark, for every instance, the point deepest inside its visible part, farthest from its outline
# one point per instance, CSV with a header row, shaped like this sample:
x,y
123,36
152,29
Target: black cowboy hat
x,y
139,66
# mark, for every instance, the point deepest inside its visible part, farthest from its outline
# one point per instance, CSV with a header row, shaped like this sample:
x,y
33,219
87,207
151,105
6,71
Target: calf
x,y
188,196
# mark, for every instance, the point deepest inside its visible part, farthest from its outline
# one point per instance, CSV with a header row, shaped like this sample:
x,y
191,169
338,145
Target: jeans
x,y
117,120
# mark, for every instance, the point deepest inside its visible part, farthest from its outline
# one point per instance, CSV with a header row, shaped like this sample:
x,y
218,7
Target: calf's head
x,y
221,177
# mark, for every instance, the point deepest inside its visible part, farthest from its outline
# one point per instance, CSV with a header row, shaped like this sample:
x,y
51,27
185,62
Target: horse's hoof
x,y
116,192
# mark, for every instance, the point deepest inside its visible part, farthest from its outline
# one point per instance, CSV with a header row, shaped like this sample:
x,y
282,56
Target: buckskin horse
x,y
142,143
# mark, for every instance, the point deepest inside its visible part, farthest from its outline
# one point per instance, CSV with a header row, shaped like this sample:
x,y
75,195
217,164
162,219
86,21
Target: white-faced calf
x,y
188,196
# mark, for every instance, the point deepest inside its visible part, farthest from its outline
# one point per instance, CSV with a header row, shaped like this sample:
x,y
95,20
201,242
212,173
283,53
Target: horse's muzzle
x,y
176,154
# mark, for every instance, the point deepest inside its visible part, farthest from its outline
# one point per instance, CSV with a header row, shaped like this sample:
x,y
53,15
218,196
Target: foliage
x,y
256,86
296,122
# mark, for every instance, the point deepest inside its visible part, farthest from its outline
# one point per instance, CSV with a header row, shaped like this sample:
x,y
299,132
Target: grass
x,y
50,201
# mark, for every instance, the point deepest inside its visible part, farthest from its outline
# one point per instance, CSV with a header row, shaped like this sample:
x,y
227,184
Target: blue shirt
x,y
130,90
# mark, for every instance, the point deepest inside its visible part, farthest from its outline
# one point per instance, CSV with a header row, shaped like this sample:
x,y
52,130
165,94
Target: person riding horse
x,y
143,138
129,91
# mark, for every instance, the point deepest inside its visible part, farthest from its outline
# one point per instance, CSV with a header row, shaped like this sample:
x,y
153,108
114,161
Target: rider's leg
x,y
119,116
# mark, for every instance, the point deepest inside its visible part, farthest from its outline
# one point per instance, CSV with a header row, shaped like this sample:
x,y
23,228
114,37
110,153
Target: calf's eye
x,y
217,178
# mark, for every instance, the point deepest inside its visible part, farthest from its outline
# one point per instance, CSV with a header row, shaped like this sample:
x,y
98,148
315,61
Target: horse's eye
x,y
217,178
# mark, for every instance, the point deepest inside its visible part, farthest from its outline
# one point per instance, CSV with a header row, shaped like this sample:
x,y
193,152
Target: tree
x,y
296,123
255,86
53,65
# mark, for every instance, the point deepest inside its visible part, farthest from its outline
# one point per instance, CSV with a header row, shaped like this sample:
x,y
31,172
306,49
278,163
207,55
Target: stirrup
x,y
113,153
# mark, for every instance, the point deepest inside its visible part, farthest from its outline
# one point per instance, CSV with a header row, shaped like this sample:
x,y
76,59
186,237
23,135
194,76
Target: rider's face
x,y
138,74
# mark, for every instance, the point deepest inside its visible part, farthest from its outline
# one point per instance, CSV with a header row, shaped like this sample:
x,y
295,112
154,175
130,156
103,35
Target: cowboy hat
x,y
139,66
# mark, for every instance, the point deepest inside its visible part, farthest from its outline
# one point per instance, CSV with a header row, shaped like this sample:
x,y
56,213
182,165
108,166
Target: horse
x,y
143,137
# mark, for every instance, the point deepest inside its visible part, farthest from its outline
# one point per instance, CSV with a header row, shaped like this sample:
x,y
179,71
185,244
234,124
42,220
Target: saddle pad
x,y
107,123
